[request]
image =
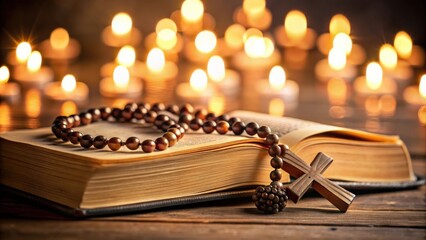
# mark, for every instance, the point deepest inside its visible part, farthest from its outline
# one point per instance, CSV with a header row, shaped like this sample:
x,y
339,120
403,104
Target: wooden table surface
x,y
373,215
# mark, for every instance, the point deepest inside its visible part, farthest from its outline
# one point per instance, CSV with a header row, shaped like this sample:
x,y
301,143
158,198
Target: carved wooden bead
x,y
275,175
105,113
100,142
187,108
274,150
171,137
201,114
161,143
195,124
233,120
222,127
115,143
150,116
74,137
132,143
157,107
86,118
263,131
86,141
148,146
96,114
251,128
127,114
209,126
277,162
116,113
174,109
176,132
272,139
64,134
238,128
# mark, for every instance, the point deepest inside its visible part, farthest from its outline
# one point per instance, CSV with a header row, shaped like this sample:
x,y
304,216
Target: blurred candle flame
x,y
255,47
343,41
121,24
387,56
198,80
422,115
5,119
23,52
166,30
34,61
59,38
234,36
422,86
121,77
32,103
403,44
216,68
69,83
217,105
252,32
337,59
156,60
205,41
337,91
276,107
254,8
295,25
374,75
192,10
4,74
339,24
126,56
277,78
68,108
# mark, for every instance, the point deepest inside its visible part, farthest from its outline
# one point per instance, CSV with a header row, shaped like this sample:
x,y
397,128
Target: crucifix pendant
x,y
310,176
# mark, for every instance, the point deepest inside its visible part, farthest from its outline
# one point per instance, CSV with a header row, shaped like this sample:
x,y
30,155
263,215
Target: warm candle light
x,y
422,86
295,25
34,61
68,108
403,44
387,56
374,75
234,36
254,7
192,10
343,41
121,24
216,68
205,41
69,83
126,56
337,59
165,23
276,107
59,38
166,33
4,75
339,24
252,32
337,91
23,52
121,77
156,60
255,47
217,105
422,115
33,103
198,80
277,78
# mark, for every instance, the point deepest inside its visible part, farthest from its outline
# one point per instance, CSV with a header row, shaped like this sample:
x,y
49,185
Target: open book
x,y
35,162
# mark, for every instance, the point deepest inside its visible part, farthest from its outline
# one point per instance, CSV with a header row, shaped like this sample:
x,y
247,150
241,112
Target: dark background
x,y
373,22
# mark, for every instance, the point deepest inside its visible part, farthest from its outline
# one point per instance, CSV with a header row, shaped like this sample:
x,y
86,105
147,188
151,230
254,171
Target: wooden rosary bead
x,y
284,149
150,116
222,127
184,126
274,150
157,107
187,108
233,120
139,113
185,118
251,128
173,108
144,105
171,137
166,125
96,114
74,137
160,119
161,143
133,143
263,131
176,132
148,146
100,142
238,128
277,162
201,114
64,134
86,118
105,113
116,113
211,116
127,114
58,130
70,122
131,106
209,126
77,120
275,175
86,141
195,124
272,139
115,143
222,117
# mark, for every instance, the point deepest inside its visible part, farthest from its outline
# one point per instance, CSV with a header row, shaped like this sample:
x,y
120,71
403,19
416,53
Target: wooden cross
x,y
308,176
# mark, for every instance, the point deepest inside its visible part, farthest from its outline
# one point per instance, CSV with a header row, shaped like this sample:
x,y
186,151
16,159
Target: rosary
x,y
269,199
